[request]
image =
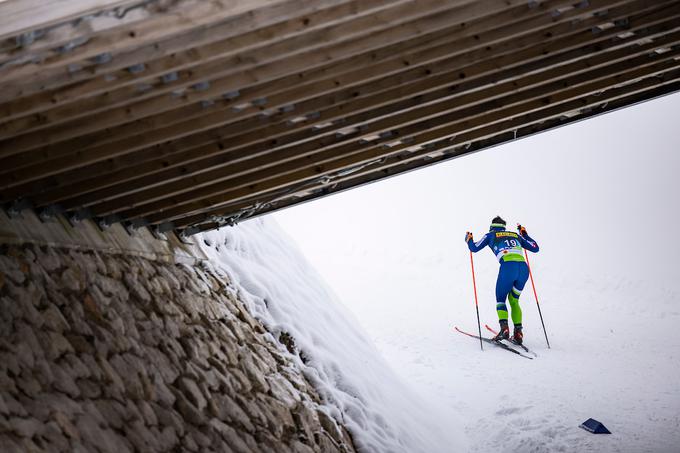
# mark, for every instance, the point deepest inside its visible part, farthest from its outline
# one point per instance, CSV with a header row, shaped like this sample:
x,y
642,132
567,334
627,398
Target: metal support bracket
x,y
14,209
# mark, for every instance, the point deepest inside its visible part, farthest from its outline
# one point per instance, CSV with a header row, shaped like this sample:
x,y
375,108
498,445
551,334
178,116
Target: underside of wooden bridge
x,y
188,115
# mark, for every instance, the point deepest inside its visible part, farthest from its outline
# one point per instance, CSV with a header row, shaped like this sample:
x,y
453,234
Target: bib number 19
x,y
511,243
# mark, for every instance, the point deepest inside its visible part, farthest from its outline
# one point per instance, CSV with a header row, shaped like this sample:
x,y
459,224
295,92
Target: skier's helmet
x,y
498,222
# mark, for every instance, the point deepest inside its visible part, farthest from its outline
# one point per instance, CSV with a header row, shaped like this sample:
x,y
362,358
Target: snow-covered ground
x,y
614,356
600,197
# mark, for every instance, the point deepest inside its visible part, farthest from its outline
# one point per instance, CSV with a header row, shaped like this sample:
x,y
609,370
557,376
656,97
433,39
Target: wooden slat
x,y
375,112
183,16
430,129
269,63
33,45
367,66
20,16
142,156
352,33
232,44
271,203
612,99
272,178
62,76
539,52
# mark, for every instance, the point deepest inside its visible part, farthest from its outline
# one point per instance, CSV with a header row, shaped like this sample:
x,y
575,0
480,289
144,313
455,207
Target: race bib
x,y
506,242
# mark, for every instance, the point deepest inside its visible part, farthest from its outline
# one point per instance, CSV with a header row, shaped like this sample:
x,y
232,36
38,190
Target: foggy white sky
x,y
608,184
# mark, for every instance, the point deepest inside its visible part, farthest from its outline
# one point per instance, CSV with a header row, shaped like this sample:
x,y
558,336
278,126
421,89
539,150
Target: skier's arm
x,y
526,240
528,243
477,246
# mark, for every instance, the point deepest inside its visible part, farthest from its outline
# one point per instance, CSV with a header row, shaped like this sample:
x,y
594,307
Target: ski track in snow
x,y
614,354
614,358
598,197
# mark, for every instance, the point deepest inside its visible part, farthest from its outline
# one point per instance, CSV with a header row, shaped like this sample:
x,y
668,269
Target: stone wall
x,y
111,352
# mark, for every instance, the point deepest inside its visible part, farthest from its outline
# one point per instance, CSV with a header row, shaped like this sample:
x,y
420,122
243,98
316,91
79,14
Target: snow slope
x,y
613,358
360,389
600,197
605,361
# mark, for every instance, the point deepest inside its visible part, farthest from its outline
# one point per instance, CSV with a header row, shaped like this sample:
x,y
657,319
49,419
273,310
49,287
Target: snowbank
x,y
359,387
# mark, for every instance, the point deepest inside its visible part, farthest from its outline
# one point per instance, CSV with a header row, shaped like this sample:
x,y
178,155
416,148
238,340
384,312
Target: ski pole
x,y
474,287
531,276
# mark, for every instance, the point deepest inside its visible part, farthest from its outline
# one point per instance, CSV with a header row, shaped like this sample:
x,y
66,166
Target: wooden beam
x,y
269,64
273,174
21,16
244,211
278,177
396,58
311,16
355,32
528,38
383,120
61,38
281,156
18,83
181,17
509,130
477,76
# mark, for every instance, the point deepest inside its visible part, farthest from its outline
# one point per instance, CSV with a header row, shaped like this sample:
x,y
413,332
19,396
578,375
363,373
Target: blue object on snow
x,y
594,427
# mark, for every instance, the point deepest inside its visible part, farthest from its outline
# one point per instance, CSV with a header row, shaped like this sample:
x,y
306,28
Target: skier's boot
x,y
518,336
504,333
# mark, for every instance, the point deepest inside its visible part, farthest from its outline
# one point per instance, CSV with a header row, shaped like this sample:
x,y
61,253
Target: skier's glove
x,y
468,236
522,230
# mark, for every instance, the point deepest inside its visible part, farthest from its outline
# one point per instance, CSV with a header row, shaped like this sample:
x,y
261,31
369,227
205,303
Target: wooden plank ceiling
x,y
187,115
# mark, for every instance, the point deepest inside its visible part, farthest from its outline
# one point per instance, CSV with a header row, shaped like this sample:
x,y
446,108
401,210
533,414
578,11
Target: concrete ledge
x,y
86,235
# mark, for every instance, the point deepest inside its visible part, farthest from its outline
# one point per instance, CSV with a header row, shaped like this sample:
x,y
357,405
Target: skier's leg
x,y
503,287
515,310
522,275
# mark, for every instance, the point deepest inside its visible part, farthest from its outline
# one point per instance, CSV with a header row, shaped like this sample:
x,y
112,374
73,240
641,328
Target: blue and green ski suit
x,y
513,273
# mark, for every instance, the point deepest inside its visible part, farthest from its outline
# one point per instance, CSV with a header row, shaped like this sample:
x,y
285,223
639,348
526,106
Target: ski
x,y
511,341
495,343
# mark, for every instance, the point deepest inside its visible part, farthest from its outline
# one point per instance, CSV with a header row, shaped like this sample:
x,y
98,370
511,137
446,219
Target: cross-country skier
x,y
513,273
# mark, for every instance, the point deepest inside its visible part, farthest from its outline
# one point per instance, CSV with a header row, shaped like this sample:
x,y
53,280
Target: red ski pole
x,y
474,287
531,276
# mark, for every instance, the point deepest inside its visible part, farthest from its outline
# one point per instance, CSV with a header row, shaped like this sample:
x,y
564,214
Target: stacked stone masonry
x,y
103,352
